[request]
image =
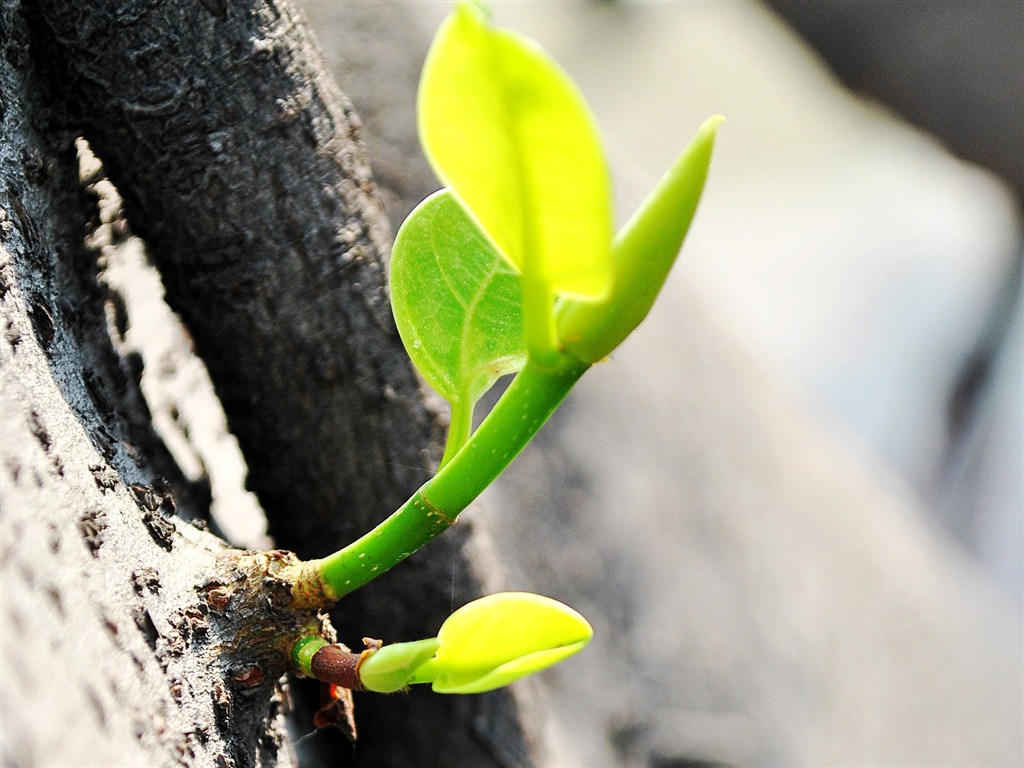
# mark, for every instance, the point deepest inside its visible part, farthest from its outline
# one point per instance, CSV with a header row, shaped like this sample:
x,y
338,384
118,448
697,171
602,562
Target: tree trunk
x,y
106,640
241,166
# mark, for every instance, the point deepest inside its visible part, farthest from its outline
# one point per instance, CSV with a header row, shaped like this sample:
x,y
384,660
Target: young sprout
x,y
512,268
485,644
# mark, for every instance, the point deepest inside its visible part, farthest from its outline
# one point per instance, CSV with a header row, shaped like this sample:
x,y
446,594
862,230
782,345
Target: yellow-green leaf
x,y
507,129
497,639
642,255
389,669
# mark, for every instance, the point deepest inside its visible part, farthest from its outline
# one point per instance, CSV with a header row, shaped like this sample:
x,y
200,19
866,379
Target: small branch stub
x,y
336,664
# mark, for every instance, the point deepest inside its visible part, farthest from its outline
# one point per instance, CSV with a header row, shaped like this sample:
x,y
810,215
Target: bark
x,y
240,164
274,264
109,653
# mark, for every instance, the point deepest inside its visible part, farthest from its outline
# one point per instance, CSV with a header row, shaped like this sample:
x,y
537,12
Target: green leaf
x,y
457,301
497,639
508,131
642,255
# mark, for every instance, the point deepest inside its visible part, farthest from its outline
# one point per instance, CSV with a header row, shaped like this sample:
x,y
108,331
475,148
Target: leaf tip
x,y
480,7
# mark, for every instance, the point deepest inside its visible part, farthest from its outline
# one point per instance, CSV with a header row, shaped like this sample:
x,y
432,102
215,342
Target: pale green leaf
x,y
457,301
390,668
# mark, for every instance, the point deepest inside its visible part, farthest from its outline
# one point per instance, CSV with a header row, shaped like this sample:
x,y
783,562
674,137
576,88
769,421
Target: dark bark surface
x,y
274,263
109,654
241,166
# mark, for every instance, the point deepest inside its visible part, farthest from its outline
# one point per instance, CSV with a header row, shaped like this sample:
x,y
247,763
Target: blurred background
x,y
792,504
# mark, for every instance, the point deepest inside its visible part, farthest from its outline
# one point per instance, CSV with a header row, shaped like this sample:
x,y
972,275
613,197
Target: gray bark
x,y
241,165
109,654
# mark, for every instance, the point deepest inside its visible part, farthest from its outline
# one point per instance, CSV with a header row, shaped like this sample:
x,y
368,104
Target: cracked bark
x,y
104,638
241,166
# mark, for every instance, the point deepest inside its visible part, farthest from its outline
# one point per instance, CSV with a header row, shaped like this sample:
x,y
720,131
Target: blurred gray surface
x,y
760,596
848,248
935,62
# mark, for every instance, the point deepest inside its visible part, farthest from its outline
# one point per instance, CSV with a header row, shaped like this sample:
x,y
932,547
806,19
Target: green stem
x,y
304,650
521,411
539,327
528,402
460,426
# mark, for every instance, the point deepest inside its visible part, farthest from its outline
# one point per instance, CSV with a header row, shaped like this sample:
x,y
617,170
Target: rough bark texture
x,y
274,264
109,652
240,164
376,51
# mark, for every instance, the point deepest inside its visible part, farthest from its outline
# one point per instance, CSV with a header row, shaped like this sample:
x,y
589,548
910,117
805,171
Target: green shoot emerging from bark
x,y
512,268
484,645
